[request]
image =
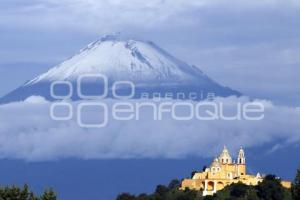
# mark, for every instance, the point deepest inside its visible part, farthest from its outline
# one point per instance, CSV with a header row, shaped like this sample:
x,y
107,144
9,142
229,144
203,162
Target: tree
x,y
142,196
175,183
239,190
126,196
271,189
161,190
25,193
252,194
18,193
49,194
296,186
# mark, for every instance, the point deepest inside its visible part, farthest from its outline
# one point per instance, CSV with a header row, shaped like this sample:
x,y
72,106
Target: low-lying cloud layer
x,y
27,132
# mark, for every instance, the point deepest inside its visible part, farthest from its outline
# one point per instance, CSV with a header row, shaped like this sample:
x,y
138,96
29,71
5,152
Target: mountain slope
x,y
151,69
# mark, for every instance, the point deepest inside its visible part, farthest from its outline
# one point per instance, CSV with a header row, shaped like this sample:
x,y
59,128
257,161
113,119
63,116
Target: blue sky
x,y
251,46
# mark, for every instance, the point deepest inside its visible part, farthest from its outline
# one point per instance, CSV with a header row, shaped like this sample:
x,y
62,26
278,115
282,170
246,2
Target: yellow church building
x,y
224,171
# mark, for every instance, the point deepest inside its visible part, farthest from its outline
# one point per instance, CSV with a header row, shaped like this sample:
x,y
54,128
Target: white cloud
x,y
35,100
107,15
27,132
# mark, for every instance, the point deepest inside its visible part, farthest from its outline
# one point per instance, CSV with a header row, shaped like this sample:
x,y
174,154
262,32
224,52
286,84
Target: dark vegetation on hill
x,y
17,193
269,189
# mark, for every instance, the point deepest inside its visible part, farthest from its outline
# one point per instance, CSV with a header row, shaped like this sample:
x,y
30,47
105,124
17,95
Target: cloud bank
x,y
95,14
27,132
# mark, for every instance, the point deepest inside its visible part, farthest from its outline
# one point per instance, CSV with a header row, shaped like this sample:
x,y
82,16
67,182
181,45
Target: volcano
x,y
150,68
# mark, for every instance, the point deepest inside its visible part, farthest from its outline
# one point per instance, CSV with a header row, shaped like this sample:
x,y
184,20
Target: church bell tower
x,y
241,162
241,157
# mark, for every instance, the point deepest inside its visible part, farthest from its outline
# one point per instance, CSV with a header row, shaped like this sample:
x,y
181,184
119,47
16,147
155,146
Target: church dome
x,y
215,163
225,156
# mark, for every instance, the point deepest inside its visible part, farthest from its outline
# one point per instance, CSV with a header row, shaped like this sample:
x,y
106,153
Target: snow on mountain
x,y
123,60
149,67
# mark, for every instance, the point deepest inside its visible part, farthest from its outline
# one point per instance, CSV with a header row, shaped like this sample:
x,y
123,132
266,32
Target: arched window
x,y
210,186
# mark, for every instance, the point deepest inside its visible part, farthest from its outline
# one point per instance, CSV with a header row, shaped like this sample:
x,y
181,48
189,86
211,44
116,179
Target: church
x,y
223,171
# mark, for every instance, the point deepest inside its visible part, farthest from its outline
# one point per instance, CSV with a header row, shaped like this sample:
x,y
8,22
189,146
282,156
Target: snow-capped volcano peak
x,y
123,59
150,68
